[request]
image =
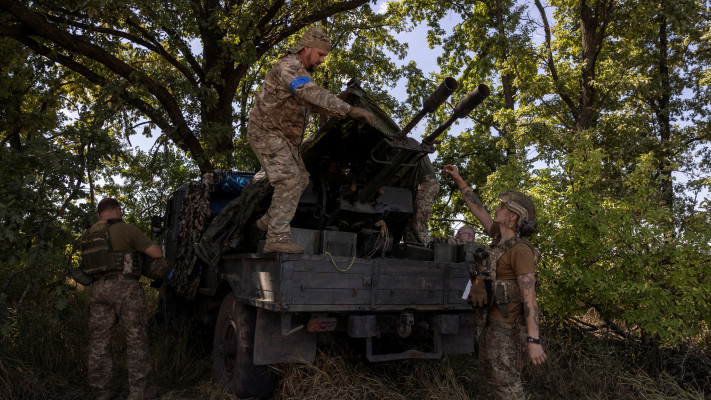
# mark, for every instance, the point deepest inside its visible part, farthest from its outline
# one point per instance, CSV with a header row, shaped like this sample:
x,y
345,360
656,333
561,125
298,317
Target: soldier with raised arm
x,y
276,129
511,328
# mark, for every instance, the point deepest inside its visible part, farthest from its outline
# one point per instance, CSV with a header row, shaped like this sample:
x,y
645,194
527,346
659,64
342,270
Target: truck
x,y
357,277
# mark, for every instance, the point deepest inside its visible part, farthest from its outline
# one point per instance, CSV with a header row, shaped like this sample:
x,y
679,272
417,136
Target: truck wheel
x,y
233,346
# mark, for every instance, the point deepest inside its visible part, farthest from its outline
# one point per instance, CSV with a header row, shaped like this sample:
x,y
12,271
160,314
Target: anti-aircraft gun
x,y
362,174
357,276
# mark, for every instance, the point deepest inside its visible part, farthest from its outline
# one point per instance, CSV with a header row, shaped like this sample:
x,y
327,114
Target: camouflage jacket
x,y
287,97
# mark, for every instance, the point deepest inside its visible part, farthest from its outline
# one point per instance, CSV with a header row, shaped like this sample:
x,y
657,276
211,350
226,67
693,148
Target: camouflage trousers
x,y
416,230
286,173
502,349
111,302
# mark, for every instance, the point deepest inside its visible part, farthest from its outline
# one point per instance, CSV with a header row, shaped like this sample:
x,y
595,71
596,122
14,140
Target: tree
x,y
606,112
487,44
146,54
43,166
591,121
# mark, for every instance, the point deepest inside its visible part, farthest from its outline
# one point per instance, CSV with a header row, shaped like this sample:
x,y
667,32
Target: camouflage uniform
x,y
276,128
502,348
417,230
502,344
118,297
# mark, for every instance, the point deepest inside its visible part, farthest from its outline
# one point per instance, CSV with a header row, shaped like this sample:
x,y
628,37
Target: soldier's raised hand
x,y
450,170
362,115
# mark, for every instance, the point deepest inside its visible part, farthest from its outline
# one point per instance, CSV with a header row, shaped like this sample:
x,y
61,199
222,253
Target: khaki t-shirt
x,y
125,237
518,260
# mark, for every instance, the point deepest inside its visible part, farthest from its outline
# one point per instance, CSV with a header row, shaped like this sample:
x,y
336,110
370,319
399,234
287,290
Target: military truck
x,y
357,278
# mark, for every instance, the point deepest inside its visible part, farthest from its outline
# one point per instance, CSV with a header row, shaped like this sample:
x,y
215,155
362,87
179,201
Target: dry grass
x,y
45,358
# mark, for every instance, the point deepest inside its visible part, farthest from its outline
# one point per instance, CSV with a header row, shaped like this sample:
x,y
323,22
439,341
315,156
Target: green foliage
x,y
618,255
591,122
182,66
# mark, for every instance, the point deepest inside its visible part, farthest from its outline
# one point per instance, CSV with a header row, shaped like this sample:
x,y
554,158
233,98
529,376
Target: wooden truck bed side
x,y
321,283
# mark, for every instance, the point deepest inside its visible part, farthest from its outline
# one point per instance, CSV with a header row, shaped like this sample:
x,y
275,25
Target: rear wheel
x,y
233,347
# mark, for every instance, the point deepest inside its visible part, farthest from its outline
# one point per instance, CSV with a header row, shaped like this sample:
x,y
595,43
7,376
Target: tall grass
x,y
44,357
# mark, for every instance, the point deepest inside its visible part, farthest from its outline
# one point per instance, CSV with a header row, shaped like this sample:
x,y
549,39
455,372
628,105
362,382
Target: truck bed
x,y
321,283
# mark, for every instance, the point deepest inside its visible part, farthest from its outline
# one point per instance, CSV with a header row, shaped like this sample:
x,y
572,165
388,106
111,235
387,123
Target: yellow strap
x,y
336,266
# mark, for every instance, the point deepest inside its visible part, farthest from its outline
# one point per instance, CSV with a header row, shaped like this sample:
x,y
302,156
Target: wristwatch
x,y
533,340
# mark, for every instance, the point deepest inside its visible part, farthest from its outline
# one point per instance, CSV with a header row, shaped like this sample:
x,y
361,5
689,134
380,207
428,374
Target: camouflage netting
x,y
195,213
227,230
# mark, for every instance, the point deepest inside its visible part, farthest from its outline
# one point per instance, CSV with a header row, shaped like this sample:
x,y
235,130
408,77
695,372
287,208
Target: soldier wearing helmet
x,y
276,128
510,311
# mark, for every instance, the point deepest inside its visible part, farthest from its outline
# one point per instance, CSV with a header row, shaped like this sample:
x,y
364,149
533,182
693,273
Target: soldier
x,y
511,327
416,230
465,234
276,129
111,256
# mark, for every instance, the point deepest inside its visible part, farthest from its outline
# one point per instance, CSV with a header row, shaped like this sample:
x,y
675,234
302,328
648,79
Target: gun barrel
x,y
445,89
462,109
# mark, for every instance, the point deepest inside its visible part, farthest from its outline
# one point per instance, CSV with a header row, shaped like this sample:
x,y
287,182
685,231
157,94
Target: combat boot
x,y
283,246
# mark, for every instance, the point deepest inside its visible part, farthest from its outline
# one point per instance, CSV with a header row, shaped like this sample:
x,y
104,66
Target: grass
x,y
44,357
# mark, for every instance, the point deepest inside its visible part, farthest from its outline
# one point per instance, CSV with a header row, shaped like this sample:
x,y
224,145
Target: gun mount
x,y
362,174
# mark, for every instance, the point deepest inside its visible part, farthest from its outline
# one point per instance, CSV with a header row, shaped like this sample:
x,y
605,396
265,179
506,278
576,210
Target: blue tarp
x,y
231,182
228,185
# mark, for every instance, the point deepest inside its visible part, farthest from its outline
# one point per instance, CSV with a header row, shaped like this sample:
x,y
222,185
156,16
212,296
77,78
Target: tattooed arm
x,y
472,201
527,284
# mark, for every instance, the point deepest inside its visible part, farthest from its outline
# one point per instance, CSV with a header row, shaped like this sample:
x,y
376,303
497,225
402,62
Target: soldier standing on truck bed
x,y
276,129
111,251
511,327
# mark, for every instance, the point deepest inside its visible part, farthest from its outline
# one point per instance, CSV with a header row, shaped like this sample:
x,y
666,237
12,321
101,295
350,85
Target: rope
x,y
383,236
336,266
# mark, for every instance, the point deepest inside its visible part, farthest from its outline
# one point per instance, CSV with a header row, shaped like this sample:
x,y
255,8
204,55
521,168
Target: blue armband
x,y
298,81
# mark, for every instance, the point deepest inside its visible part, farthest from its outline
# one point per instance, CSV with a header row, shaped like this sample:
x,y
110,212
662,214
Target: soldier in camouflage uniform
x,y
276,128
416,230
512,325
117,296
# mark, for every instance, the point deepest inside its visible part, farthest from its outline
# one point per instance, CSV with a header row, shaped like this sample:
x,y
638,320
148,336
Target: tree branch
x,y
551,64
79,45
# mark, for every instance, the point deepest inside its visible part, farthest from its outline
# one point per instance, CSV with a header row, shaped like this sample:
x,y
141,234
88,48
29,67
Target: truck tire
x,y
233,347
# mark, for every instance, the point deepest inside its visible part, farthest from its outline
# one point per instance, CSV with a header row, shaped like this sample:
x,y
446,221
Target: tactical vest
x,y
98,259
505,291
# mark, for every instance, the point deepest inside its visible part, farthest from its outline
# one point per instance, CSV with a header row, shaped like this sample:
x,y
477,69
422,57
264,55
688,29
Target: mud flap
x,y
462,340
271,346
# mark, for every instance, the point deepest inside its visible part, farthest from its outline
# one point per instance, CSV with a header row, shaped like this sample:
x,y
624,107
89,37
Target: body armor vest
x,y
98,259
505,291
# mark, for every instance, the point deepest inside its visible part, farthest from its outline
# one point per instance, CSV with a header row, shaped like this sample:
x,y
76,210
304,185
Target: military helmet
x,y
523,206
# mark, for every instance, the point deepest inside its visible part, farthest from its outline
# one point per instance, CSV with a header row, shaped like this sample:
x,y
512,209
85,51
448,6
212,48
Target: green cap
x,y
314,37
